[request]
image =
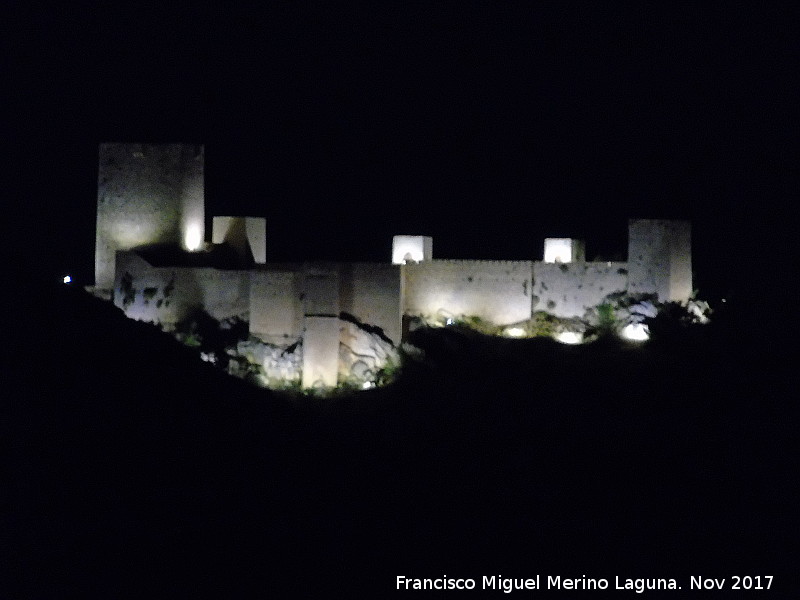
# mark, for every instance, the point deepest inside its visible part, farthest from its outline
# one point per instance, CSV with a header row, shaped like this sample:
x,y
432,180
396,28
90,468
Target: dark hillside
x,y
137,467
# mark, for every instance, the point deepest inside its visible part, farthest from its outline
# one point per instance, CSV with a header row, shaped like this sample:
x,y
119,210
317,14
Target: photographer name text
x,y
559,583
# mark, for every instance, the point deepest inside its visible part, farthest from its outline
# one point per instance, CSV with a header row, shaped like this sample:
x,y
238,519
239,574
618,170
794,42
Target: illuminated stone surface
x,y
276,307
321,291
362,354
146,194
320,352
496,291
372,293
167,295
344,315
569,289
660,258
247,235
563,250
409,249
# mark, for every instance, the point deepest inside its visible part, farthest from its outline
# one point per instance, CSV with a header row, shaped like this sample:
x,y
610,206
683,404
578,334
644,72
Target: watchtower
x,y
147,194
660,258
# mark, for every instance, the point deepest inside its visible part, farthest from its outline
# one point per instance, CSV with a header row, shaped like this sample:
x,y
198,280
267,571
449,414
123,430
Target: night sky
x,y
487,128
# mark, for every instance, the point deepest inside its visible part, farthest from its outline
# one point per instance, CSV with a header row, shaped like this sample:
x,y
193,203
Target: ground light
x,y
67,279
569,337
515,332
638,332
193,238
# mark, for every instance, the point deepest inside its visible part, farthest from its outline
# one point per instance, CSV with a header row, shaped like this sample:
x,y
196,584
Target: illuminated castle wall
x,y
496,291
167,294
150,197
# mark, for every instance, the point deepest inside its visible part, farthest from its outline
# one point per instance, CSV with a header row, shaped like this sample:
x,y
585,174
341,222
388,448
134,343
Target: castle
x,y
152,260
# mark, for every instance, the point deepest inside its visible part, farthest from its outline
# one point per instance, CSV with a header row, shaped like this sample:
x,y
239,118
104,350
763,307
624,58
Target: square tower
x,y
246,235
410,249
660,258
564,250
147,194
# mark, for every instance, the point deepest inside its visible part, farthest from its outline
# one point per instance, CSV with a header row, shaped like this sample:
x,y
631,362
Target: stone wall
x,y
496,291
320,352
276,305
166,295
569,289
320,290
371,292
224,294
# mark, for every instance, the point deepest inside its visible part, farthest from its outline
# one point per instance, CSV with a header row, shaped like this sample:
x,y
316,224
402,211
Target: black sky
x,y
488,128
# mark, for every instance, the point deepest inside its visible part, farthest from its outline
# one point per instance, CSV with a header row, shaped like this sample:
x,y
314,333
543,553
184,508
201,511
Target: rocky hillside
x,y
137,468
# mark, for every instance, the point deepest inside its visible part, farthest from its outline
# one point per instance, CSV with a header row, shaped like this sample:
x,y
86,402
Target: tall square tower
x,y
660,258
147,194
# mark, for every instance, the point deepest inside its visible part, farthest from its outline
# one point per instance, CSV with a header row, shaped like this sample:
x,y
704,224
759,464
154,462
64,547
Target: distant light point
x,y
67,279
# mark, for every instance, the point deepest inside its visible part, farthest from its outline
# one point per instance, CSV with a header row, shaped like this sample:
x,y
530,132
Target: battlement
x,y
564,250
473,261
409,249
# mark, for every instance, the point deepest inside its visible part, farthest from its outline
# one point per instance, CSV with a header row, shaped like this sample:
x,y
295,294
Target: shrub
x,y
478,324
602,322
543,324
674,322
200,330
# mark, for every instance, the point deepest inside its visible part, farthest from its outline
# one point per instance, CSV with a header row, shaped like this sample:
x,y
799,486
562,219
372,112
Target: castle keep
x,y
152,259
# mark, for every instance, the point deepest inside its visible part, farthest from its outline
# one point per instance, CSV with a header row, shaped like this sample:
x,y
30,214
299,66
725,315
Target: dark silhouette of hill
x,y
138,469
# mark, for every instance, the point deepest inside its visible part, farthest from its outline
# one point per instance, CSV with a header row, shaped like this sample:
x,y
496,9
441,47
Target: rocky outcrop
x,y
366,359
364,355
276,367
